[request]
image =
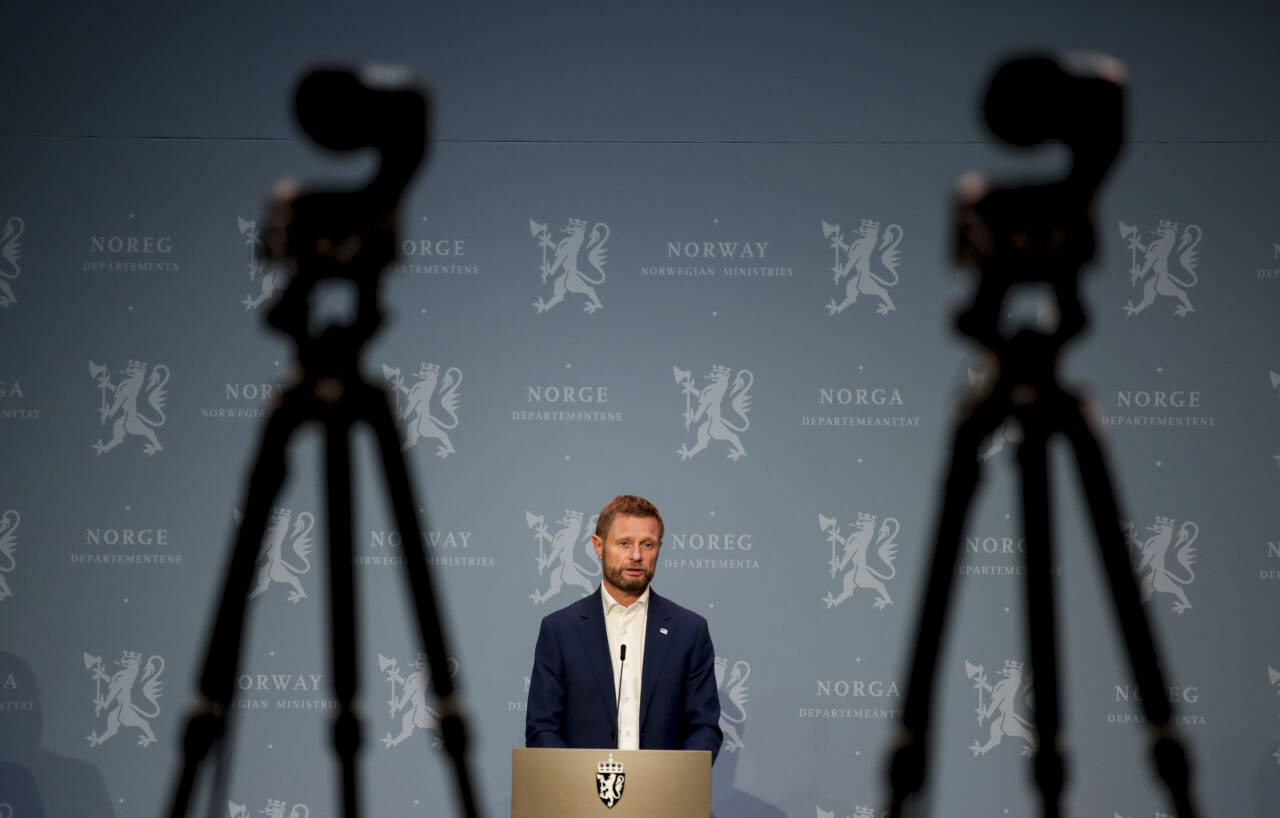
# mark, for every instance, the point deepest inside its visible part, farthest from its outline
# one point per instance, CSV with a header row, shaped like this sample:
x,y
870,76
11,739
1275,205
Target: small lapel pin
x,y
662,631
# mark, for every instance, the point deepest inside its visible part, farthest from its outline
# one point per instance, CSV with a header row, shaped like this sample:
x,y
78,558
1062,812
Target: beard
x,y
619,580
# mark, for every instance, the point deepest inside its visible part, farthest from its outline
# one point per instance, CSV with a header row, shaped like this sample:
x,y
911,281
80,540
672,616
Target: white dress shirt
x,y
625,626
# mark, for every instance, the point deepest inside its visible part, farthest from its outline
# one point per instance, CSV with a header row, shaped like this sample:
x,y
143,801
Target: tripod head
x,y
349,235
1039,232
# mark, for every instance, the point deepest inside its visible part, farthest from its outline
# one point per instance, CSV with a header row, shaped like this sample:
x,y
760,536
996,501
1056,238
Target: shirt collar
x,y
610,603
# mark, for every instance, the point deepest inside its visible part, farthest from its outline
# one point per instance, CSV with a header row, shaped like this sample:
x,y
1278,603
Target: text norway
x,y
716,249
279,681
432,539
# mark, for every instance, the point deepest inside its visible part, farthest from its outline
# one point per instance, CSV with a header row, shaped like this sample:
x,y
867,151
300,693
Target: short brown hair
x,y
626,504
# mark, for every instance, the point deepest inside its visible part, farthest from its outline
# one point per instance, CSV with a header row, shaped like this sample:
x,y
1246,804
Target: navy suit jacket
x,y
571,693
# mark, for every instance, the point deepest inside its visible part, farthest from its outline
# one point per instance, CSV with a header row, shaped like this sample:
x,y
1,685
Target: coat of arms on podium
x,y
609,781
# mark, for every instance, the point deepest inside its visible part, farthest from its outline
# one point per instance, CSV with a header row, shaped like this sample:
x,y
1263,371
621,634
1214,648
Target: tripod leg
x,y
452,724
1033,460
907,766
342,622
206,722
1170,757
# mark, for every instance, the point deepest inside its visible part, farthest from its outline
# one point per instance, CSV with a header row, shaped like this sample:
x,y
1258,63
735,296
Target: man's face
x,y
629,553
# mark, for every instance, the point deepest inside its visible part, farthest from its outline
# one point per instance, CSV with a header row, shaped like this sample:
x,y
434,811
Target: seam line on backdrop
x,y
692,141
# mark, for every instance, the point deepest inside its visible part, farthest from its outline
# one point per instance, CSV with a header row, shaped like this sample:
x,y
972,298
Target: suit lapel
x,y
656,642
595,646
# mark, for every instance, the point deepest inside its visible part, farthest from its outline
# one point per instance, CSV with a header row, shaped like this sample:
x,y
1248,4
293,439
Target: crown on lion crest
x,y
131,656
571,516
136,366
609,767
1164,521
864,517
427,369
1168,225
577,223
717,369
273,803
1012,666
870,224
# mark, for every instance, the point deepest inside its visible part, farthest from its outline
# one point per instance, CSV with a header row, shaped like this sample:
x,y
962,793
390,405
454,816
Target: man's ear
x,y
599,546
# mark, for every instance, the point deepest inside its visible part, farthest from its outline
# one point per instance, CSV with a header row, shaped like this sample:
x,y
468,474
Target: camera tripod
x,y
347,236
1037,235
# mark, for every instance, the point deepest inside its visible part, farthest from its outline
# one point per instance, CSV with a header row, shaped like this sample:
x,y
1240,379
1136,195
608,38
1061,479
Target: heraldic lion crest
x,y
1156,260
710,414
857,547
568,277
559,554
857,264
274,566
130,419
1153,553
118,702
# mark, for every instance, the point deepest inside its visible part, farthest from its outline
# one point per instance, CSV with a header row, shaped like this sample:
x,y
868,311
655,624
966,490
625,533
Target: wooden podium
x,y
556,783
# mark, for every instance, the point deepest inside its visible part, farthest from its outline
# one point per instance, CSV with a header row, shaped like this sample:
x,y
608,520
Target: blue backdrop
x,y
707,171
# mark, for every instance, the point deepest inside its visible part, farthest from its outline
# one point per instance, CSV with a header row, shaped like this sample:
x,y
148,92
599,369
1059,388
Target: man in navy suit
x,y
624,667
